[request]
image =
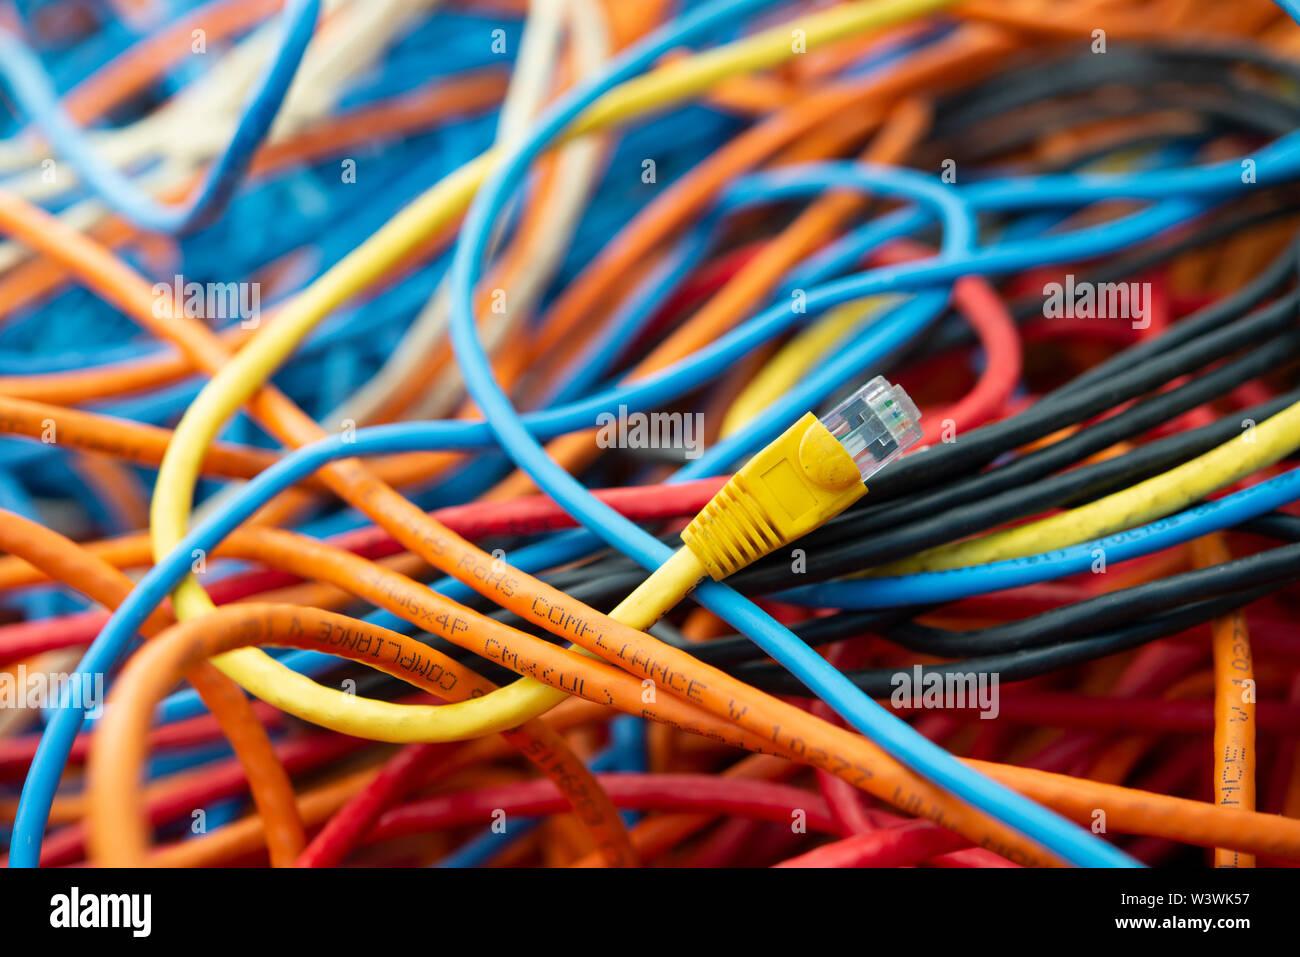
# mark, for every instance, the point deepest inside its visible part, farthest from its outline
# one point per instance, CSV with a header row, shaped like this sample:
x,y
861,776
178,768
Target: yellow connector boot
x,y
807,476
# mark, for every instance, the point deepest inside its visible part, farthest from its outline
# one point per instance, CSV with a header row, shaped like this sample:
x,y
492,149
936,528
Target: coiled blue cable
x,y
25,79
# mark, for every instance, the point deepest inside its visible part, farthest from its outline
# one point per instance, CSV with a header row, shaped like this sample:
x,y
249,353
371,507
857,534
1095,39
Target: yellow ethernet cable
x,y
798,482
254,364
1257,448
805,477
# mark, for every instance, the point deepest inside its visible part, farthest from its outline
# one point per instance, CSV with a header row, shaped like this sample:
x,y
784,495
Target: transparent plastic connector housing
x,y
875,425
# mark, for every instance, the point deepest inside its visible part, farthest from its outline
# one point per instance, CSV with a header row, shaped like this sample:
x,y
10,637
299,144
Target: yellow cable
x,y
254,364
1252,450
796,357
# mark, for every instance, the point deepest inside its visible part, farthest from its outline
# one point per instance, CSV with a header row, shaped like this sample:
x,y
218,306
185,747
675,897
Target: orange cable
x,y
1234,707
268,782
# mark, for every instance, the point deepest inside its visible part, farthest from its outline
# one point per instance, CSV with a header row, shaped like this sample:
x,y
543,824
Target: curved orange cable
x,y
267,779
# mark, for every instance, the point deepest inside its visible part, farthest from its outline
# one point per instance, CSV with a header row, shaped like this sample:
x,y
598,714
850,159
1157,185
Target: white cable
x,y
529,80
579,167
195,125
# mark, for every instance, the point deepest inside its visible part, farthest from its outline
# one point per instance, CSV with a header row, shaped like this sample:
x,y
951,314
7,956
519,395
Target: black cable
x,y
955,332
1143,65
1241,580
608,577
1276,525
1053,412
861,540
1267,283
1277,566
1027,663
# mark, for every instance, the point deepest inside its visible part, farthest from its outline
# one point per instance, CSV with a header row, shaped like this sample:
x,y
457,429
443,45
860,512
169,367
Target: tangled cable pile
x,y
365,364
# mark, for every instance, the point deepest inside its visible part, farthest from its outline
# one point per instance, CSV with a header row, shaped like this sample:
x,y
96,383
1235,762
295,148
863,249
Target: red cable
x,y
199,788
764,800
999,338
842,798
400,775
970,857
16,754
1155,668
896,846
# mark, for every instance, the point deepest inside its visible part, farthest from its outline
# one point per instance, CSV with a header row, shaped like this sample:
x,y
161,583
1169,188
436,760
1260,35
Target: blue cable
x,y
477,851
25,79
1062,837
